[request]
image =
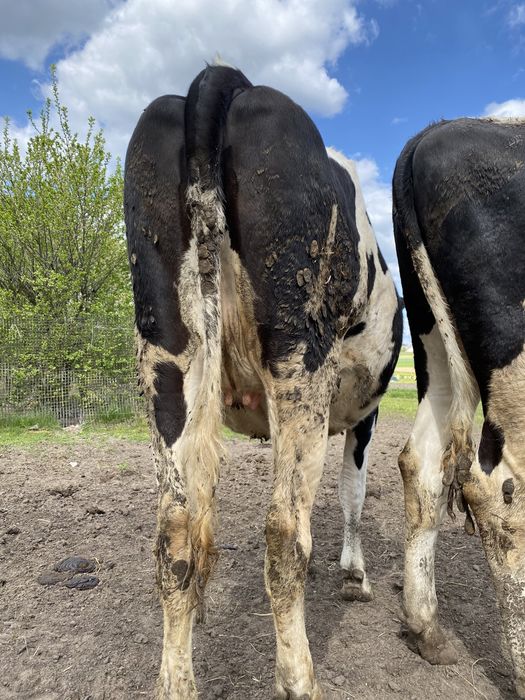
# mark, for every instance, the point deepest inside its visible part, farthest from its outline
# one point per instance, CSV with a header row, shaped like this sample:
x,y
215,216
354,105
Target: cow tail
x,y
206,109
407,229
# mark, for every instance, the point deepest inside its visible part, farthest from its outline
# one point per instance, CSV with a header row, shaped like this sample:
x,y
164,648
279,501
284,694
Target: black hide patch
x,y
355,330
363,435
280,189
490,446
157,227
459,189
382,261
169,403
371,267
420,316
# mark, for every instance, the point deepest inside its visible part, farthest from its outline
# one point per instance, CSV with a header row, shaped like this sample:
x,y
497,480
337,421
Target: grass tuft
x,y
400,402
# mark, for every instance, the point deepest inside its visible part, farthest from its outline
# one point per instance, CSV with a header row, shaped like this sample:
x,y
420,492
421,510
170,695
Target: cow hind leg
x,y
496,493
184,425
299,424
426,495
352,491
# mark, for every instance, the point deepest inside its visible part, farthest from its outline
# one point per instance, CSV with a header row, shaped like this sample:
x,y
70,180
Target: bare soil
x,y
58,643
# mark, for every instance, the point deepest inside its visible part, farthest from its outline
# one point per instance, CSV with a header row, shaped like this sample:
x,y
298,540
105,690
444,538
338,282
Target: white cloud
x,y
31,29
146,48
20,134
510,108
516,16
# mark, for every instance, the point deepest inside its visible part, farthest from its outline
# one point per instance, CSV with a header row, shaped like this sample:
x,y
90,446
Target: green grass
x,y
35,422
403,402
399,402
30,430
134,429
405,360
228,434
27,431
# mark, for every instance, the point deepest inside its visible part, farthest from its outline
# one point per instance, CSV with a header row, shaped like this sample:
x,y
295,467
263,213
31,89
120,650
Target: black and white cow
x,y
459,220
262,301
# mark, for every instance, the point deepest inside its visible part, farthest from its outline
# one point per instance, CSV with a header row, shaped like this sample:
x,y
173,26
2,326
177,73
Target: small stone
x,y
339,680
73,464
76,565
83,582
394,686
13,531
64,490
133,259
300,278
476,567
314,249
95,510
51,578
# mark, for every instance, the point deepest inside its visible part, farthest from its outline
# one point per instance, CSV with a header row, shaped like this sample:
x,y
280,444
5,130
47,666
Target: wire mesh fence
x,y
82,369
72,370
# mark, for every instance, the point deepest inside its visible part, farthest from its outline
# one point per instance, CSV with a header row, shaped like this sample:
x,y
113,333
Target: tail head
x,y
209,98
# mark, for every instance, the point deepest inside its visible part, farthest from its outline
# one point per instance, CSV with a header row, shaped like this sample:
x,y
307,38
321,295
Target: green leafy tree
x,y
62,248
65,297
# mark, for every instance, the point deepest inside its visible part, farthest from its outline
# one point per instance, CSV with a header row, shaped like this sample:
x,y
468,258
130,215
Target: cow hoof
x,y
178,688
281,693
434,647
356,586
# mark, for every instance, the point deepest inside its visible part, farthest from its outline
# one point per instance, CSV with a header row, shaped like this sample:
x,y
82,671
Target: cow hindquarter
x,y
470,266
292,239
247,271
178,348
369,354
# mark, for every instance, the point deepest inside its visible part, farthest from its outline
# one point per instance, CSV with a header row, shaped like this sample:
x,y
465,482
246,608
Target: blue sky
x,y
370,72
430,60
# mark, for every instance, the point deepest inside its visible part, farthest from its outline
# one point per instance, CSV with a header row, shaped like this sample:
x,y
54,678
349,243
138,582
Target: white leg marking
x,y
352,491
425,502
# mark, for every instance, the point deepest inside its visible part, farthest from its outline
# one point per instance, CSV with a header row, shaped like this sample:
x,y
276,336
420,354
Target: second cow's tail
x,y
206,110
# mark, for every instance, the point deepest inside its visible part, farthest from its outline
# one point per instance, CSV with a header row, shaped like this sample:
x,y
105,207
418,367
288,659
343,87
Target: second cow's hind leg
x,y
495,490
352,491
425,502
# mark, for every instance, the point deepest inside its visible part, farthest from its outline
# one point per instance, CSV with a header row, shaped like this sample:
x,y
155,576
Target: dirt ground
x,y
57,643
